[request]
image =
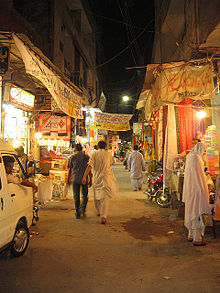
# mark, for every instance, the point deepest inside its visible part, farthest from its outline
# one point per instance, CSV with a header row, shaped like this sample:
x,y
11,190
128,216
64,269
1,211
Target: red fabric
x,y
185,115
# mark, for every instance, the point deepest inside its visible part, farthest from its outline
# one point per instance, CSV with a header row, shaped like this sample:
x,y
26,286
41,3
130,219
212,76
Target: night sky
x,y
122,23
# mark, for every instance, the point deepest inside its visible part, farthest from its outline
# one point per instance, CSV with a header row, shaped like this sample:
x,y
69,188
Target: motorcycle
x,y
155,191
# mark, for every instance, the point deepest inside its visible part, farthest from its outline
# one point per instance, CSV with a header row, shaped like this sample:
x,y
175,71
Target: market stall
x,y
55,149
178,109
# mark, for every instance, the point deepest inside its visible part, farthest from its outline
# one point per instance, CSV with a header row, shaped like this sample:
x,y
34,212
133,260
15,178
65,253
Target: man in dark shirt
x,y
77,166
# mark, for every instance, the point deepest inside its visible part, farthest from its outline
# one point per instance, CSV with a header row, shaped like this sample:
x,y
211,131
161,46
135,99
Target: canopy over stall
x,y
68,98
171,83
175,84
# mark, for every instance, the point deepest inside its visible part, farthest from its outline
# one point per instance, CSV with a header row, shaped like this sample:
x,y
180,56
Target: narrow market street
x,y
142,248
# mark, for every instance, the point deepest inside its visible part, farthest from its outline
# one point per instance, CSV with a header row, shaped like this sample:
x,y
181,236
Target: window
x,y
13,168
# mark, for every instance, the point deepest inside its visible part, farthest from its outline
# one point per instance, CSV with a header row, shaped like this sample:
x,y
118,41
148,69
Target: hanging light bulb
x,y
201,114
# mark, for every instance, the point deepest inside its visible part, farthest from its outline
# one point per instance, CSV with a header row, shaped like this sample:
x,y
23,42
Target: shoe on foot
x,y
103,221
139,188
98,215
83,213
78,215
199,243
190,240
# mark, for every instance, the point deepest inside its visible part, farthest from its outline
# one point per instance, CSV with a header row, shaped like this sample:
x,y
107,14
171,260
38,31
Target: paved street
x,y
142,248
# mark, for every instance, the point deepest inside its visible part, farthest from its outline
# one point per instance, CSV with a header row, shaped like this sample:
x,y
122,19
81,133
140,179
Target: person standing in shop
x,y
77,166
195,195
136,166
104,181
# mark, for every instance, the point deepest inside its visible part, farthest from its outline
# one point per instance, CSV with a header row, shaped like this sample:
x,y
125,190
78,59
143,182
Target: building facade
x,y
59,37
186,29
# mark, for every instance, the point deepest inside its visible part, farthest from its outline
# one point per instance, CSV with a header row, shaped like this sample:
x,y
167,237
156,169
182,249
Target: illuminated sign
x,y
21,97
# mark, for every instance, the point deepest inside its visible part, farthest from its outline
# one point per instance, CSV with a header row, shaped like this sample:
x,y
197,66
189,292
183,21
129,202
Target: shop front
x,y
53,137
17,111
180,111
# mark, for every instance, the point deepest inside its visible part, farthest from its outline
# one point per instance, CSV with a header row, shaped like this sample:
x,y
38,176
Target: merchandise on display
x,y
211,141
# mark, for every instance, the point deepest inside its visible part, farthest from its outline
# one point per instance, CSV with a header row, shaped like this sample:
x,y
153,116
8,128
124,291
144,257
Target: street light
x,y
125,98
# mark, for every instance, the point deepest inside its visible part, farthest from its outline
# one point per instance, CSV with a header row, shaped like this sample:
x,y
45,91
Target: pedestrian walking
x,y
136,166
128,152
77,166
104,181
195,195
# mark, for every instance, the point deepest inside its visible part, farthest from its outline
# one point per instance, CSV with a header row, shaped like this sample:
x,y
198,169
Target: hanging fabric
x,y
177,129
185,115
170,146
165,109
160,135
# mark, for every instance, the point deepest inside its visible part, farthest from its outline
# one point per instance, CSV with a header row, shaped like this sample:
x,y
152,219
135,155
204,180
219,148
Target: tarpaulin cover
x,y
68,101
178,81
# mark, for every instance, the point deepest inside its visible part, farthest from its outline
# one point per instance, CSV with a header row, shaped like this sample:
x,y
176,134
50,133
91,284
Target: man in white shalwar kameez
x,y
136,166
104,181
195,195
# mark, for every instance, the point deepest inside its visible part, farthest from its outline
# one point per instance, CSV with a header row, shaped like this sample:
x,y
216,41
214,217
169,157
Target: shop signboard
x,y
4,60
184,80
55,126
66,98
21,98
114,122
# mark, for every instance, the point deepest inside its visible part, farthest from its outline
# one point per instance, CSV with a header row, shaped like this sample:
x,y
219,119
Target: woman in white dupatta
x,y
195,195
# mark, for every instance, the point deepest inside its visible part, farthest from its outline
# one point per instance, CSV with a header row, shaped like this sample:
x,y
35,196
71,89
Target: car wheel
x,y
20,240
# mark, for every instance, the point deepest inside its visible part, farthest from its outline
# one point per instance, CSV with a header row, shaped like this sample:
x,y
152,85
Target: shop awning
x,y
66,96
142,99
171,83
180,80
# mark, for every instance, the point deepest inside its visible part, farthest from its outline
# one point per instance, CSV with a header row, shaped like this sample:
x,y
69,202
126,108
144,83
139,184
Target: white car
x,y
16,206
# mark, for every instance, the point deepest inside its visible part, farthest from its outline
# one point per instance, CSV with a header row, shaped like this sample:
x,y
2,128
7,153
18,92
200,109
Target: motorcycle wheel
x,y
162,199
148,193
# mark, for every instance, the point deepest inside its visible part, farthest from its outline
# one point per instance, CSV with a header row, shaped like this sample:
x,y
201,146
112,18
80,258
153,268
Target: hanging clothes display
x,y
160,135
165,109
80,126
170,146
185,115
177,129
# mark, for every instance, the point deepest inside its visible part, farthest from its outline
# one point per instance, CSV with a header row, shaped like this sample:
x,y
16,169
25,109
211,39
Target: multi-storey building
x,y
60,37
